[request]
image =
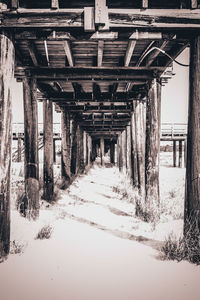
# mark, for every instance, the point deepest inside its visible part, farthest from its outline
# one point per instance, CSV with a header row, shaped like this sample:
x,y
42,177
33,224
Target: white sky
x,y
174,97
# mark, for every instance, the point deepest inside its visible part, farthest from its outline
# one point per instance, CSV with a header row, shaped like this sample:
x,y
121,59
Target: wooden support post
x,y
48,175
115,157
152,152
89,24
123,135
102,151
31,148
89,143
180,154
65,146
134,164
185,152
6,79
54,4
85,148
112,152
145,4
129,156
54,150
194,4
81,154
140,126
192,195
174,154
19,149
120,153
74,147
14,4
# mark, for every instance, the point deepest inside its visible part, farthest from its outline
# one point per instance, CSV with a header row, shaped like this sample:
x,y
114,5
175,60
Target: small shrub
x,y
173,248
17,247
182,248
22,203
44,233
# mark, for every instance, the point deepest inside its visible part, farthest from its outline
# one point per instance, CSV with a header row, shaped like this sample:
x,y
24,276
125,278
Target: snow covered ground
x,y
98,249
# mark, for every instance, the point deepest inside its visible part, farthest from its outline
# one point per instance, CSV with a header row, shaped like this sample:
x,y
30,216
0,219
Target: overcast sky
x,y
174,97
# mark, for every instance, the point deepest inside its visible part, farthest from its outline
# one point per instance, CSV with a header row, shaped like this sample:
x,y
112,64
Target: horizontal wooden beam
x,y
95,110
94,103
89,97
132,18
85,73
105,122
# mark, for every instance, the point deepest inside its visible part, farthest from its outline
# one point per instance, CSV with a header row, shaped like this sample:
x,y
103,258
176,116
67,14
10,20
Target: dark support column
x,y
74,148
19,149
65,146
77,150
82,164
134,164
140,140
129,154
180,154
102,150
85,148
120,153
192,195
153,151
31,148
185,152
48,174
115,157
6,79
123,149
89,144
54,150
174,153
112,152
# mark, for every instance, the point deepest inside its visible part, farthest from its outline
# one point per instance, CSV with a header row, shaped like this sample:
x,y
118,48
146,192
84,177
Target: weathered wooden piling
x,y
19,149
102,151
180,154
74,148
192,195
140,140
6,79
54,150
174,153
31,147
48,172
152,200
112,152
65,146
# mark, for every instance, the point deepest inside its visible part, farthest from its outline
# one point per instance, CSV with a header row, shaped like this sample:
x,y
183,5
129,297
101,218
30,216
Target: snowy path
x,y
98,251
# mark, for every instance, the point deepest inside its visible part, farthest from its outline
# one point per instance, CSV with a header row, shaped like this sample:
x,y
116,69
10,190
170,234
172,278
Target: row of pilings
x,y
141,149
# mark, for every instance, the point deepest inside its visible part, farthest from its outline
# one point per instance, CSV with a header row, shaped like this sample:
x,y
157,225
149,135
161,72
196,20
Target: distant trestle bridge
x,y
170,132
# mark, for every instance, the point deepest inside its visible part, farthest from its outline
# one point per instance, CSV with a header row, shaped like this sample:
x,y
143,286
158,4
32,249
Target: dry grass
x,y
44,233
182,248
17,247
